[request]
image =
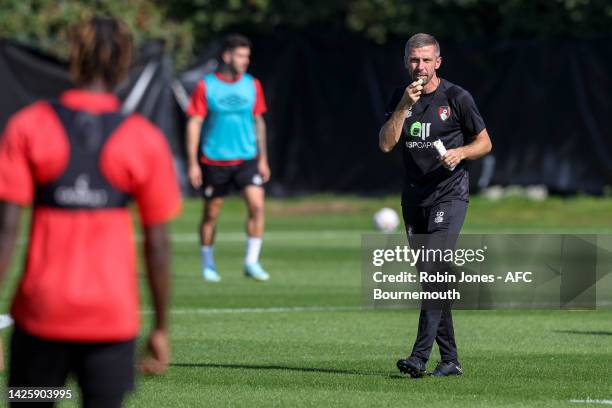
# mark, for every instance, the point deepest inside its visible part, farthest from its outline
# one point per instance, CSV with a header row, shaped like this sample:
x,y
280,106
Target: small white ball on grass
x,y
386,220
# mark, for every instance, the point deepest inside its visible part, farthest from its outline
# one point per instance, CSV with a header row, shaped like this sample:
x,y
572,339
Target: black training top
x,y
449,114
82,185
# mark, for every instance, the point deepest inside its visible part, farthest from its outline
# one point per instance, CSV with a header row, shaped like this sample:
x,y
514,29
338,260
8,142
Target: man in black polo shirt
x,y
431,111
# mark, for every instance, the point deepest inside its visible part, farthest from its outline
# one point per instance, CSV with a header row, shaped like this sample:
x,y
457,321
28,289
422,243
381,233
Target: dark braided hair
x,y
100,49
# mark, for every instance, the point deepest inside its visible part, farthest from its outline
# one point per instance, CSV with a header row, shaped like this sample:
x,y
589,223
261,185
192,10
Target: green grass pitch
x,y
301,339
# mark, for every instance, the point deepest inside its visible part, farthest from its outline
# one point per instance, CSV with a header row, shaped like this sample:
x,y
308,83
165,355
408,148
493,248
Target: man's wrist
x,y
462,153
403,108
406,102
161,326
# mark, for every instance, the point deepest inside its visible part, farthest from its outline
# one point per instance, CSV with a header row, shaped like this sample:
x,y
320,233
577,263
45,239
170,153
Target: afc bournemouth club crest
x,y
444,112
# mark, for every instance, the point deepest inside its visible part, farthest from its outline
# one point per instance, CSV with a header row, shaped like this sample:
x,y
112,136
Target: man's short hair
x,y
233,41
421,40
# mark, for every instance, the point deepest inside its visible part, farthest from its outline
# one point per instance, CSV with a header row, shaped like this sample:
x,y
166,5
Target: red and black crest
x,y
444,112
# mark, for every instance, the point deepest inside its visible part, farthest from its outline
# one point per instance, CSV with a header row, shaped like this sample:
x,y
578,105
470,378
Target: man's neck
x,y
432,85
97,85
228,73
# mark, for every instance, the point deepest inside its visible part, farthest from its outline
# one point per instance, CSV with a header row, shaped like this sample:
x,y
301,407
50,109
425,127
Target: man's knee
x,y
210,218
256,211
212,210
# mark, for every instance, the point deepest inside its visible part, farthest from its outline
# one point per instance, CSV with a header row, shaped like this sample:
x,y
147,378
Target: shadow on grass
x,y
288,368
591,333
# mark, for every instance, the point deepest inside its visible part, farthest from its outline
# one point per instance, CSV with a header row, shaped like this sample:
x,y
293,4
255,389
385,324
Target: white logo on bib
x,y
81,194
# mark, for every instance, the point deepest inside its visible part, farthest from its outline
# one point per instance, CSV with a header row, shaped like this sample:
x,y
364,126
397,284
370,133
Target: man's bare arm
x,y
157,257
391,131
479,147
194,127
262,149
9,227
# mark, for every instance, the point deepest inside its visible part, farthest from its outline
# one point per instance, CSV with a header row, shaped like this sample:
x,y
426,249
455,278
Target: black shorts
x,y
442,218
218,180
434,227
103,370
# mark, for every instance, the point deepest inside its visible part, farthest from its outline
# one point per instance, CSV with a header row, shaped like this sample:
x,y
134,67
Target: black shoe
x,y
413,366
446,368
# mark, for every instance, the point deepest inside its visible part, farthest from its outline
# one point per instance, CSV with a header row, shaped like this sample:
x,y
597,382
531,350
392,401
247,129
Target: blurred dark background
x,y
538,71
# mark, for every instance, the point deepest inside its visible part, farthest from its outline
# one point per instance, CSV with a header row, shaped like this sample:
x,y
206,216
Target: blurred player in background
x,y
435,194
79,161
226,146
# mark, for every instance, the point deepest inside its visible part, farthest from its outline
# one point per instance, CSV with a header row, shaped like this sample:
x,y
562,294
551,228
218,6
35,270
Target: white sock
x,y
252,250
208,261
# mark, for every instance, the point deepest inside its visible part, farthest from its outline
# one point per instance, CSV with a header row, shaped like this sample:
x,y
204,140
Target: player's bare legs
x,y
212,208
254,197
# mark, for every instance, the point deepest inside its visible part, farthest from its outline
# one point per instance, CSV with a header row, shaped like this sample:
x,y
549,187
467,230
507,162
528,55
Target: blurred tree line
x,y
43,23
187,26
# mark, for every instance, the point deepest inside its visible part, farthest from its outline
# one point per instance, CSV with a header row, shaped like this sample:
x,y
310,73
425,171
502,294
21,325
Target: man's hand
x,y
158,358
452,158
264,170
412,94
195,175
391,131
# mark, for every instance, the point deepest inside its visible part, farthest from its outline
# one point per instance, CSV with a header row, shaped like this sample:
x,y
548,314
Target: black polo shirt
x,y
449,114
